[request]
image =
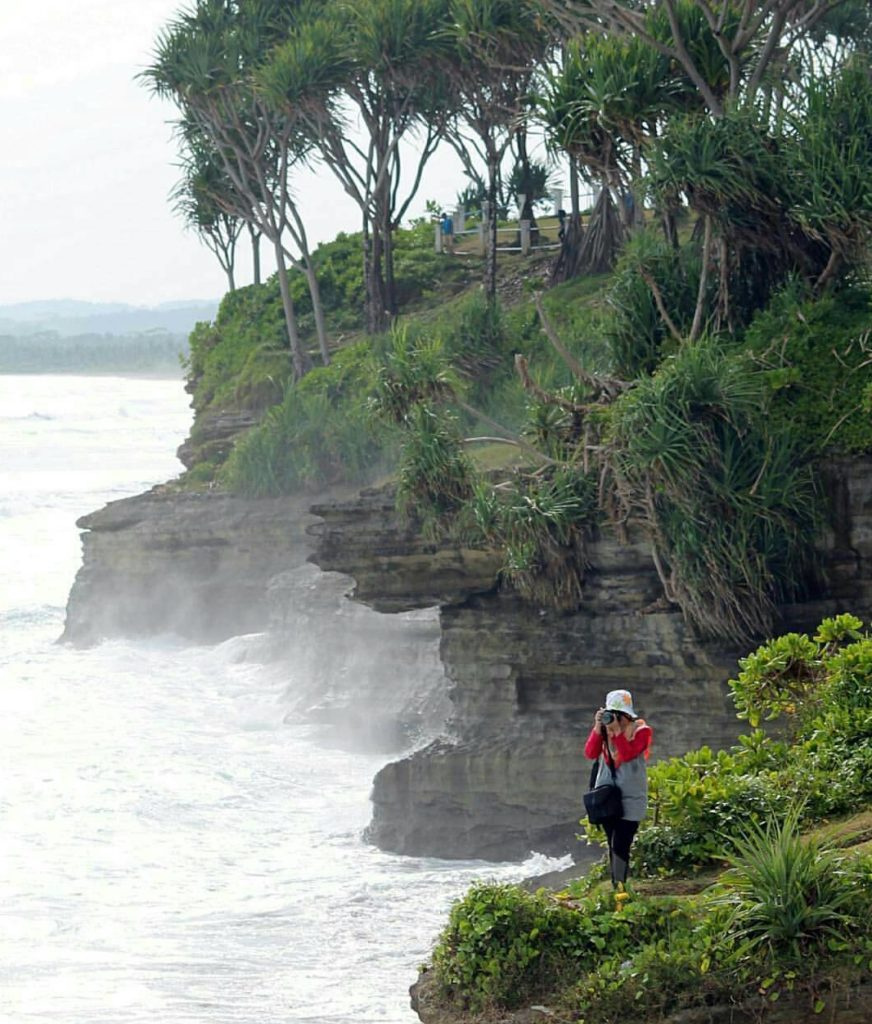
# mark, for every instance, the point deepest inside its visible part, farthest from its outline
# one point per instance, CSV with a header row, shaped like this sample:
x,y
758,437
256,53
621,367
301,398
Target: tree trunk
x,y
390,286
298,356
255,252
567,264
490,267
575,208
725,307
526,212
375,285
696,327
603,238
318,310
638,220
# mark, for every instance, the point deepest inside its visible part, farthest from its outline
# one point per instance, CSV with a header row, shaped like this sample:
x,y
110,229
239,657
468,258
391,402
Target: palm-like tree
x,y
494,48
195,199
206,62
724,49
603,107
374,59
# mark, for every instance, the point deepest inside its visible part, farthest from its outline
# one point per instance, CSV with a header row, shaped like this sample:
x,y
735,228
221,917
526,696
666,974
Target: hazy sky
x,y
86,162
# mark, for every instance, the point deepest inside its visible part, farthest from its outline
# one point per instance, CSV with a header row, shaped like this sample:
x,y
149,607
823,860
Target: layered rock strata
x,y
507,775
194,564
207,566
524,681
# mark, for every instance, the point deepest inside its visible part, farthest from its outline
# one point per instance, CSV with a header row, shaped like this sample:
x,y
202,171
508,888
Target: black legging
x,y
620,833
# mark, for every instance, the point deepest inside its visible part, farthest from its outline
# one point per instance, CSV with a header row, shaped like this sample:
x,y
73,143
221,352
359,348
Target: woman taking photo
x,y
621,741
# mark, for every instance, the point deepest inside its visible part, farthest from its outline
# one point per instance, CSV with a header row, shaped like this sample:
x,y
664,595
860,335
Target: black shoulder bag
x,y
603,802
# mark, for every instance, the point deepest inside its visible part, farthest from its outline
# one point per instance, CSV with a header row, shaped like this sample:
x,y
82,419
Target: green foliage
x,y
541,525
789,896
778,677
413,370
789,917
503,946
436,476
823,686
322,432
728,506
831,163
701,799
420,273
635,332
242,360
652,981
818,356
786,675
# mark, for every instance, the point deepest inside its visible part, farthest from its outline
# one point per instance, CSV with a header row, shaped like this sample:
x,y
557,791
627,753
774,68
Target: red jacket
x,y
622,748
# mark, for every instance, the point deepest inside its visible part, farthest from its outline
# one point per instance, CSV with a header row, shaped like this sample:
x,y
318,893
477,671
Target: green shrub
x,y
502,946
436,476
655,981
792,900
323,432
728,506
818,356
635,332
823,688
541,524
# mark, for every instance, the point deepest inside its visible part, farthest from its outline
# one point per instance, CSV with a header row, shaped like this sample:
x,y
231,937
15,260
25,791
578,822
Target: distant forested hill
x,y
65,336
49,352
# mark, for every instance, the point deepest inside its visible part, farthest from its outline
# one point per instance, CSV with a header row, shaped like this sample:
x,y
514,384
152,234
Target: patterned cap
x,y
620,700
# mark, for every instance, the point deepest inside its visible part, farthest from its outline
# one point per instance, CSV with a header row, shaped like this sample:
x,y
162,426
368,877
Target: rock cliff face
x,y
192,564
208,566
507,774
523,681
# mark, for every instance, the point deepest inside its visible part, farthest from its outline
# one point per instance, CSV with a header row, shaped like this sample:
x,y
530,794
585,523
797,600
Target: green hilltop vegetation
x,y
685,365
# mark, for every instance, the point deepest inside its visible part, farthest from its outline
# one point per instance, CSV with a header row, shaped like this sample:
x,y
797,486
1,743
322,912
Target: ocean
x,y
177,844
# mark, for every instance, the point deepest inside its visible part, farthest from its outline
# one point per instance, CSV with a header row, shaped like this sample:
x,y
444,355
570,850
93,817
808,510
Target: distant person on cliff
x,y
619,735
447,233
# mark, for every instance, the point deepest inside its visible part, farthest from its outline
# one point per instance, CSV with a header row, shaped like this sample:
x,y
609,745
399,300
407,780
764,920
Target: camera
x,y
607,717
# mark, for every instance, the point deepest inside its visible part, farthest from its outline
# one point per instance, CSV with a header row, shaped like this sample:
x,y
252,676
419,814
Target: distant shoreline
x,y
128,374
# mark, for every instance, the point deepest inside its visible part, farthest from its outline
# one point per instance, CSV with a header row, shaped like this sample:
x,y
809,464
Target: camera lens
x,y
607,717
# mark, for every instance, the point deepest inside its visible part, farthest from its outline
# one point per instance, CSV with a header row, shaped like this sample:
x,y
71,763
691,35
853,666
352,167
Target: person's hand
x,y
616,726
598,719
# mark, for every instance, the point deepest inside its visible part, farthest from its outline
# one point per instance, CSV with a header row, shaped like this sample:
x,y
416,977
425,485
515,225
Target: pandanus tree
x,y
494,49
747,37
723,57
603,107
207,61
371,61
195,199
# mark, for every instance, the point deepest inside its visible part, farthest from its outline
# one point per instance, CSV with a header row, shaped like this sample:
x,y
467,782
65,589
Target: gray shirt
x,y
632,780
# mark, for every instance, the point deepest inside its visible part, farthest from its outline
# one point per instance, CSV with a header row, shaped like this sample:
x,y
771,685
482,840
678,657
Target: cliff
x,y
195,564
506,773
524,681
206,566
